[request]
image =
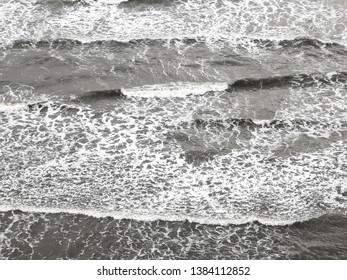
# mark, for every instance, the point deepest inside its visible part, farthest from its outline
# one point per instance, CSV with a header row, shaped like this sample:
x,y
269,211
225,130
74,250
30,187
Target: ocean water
x,y
184,129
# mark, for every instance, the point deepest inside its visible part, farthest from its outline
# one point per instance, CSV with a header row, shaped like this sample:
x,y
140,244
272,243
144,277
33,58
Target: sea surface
x,y
181,129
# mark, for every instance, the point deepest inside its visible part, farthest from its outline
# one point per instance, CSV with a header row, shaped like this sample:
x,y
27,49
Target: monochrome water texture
x,y
184,129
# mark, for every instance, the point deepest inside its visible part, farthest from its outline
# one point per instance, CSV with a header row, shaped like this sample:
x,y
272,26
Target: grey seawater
x,y
71,236
173,129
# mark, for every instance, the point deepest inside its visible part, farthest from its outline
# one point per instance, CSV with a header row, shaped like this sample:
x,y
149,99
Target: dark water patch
x,y
308,42
101,94
301,44
63,3
64,43
300,80
198,157
256,84
54,44
99,100
297,43
306,143
242,123
151,3
224,61
69,66
322,238
75,236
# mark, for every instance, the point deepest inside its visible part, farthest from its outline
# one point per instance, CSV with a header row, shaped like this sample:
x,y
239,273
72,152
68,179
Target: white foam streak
x,y
174,89
11,107
153,217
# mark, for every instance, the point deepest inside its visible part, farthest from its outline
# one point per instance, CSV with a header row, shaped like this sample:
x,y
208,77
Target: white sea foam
x,y
270,19
145,158
10,107
152,217
174,89
134,162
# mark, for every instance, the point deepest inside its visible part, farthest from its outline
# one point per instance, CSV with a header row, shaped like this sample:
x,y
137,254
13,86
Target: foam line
x,y
171,218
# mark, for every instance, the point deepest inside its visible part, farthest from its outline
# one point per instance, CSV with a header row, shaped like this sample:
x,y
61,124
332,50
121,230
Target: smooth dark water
x,y
173,129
